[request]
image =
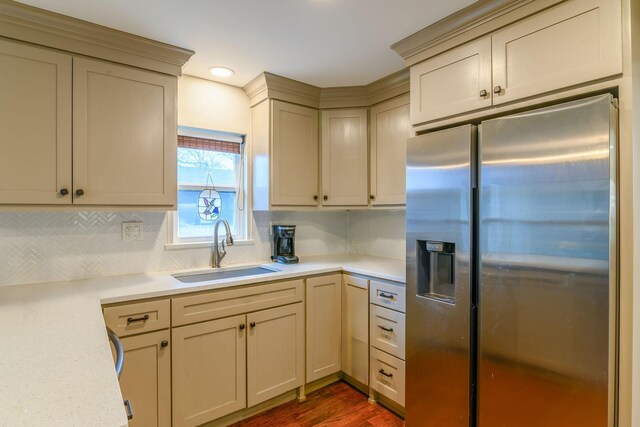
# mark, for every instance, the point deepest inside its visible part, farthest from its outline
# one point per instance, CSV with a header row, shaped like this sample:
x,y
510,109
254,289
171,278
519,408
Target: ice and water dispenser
x,y
436,270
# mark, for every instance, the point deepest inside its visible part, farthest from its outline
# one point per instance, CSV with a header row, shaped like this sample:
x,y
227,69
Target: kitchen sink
x,y
222,274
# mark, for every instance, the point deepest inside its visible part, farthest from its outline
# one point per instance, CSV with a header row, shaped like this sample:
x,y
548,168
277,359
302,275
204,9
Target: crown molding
x,y
388,87
271,86
41,27
343,97
476,20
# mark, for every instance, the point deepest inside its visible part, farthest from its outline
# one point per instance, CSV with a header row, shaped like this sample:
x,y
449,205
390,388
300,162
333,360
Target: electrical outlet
x,y
132,230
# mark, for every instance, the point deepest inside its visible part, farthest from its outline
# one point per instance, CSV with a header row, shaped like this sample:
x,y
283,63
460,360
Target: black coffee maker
x,y
284,244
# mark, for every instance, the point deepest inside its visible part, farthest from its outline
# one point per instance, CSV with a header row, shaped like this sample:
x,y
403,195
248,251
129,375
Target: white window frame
x,y
241,222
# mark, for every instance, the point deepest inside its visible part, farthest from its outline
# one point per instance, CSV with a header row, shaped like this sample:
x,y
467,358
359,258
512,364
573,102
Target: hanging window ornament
x,y
209,202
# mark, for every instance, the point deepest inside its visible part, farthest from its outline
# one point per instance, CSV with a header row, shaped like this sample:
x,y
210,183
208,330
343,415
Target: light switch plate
x,y
132,230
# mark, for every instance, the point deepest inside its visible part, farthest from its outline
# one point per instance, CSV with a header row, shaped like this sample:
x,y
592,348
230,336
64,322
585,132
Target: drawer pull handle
x,y
242,326
164,343
385,328
252,324
385,374
138,319
387,296
497,89
483,93
128,410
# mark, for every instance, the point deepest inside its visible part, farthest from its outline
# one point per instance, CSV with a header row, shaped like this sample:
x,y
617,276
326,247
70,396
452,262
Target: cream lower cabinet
x,y
146,378
355,328
323,331
389,130
344,157
275,352
209,373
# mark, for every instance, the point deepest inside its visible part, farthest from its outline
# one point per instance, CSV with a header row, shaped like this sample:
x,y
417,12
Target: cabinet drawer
x,y
218,304
136,318
387,330
387,375
387,295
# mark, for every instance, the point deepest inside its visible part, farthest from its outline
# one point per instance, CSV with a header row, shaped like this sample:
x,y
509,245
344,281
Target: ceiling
x,y
321,42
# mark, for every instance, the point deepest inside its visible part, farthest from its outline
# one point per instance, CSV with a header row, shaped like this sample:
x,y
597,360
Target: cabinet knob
x,y
372,197
252,324
242,326
497,89
79,192
164,343
325,197
315,197
484,93
64,192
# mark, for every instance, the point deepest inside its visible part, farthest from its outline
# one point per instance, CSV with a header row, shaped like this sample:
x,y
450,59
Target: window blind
x,y
208,144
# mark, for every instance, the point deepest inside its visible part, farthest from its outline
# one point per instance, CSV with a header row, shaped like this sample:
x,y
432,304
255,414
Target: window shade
x,y
208,144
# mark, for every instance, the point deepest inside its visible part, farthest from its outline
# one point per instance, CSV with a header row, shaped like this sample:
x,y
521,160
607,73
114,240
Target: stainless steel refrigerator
x,y
511,270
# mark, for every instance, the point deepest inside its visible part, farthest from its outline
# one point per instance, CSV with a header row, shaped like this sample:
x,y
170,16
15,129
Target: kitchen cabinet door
x,y
294,148
124,135
455,82
35,125
355,328
344,158
208,370
324,314
275,352
146,378
571,43
390,129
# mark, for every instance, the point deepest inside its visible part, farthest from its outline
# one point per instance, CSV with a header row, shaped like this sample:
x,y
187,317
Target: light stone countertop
x,y
56,367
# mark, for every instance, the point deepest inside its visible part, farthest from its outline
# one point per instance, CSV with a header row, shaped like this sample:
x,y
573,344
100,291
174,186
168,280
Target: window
x,y
210,185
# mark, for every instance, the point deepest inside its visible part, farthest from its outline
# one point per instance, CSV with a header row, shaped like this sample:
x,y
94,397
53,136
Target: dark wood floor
x,y
336,405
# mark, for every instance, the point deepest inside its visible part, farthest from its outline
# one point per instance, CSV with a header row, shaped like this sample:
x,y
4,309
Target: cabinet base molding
x,y
360,386
300,394
375,398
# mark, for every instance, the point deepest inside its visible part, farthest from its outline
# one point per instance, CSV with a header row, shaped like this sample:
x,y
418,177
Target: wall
x,y
210,105
377,233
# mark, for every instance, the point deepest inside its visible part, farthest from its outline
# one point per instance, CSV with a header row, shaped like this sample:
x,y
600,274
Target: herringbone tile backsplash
x,y
52,246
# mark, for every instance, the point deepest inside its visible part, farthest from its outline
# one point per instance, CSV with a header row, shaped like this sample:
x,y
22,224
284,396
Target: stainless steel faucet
x,y
217,254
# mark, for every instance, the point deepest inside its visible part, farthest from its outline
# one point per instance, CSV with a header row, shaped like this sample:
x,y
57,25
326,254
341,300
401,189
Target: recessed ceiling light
x,y
221,71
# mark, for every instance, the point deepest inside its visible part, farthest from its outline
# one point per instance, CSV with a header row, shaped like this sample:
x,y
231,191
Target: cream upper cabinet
x,y
285,155
208,370
324,316
389,131
35,125
574,42
344,157
355,328
124,132
146,378
275,352
571,43
295,155
454,82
